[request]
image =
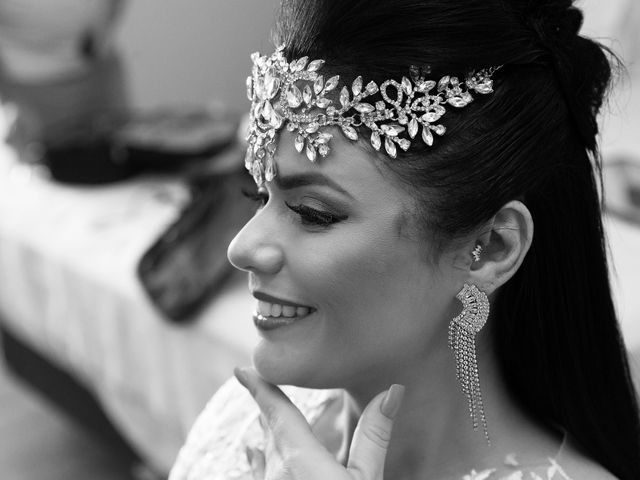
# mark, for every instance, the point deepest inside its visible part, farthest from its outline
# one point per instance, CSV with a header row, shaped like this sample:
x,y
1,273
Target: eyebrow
x,y
289,182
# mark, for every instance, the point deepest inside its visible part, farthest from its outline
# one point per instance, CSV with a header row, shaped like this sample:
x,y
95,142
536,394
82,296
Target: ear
x,y
505,243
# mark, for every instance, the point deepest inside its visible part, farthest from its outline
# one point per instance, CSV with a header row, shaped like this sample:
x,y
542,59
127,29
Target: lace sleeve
x,y
551,471
215,446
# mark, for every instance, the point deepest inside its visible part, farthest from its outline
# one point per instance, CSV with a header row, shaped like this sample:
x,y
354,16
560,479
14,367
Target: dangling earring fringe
x,y
462,335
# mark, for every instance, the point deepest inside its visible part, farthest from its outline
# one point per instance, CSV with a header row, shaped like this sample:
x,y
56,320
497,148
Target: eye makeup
x,y
314,217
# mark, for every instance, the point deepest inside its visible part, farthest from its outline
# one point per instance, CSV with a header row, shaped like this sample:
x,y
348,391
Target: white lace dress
x,y
215,448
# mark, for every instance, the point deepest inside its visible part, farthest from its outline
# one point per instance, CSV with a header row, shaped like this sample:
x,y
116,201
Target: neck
x,y
433,435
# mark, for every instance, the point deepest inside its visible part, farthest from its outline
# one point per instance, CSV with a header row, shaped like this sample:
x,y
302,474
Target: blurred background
x,y
120,167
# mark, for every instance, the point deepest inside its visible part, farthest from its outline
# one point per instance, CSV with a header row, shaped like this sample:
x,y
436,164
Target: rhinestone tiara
x,y
296,95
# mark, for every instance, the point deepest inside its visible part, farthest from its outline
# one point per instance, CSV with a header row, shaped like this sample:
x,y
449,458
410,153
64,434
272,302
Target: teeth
x,y
267,309
288,311
264,308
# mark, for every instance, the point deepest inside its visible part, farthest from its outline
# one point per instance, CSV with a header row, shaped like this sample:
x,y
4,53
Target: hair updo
x,y
557,24
534,139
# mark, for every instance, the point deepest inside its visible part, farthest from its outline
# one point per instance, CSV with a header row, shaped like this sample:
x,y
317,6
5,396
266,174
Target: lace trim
x,y
552,472
216,446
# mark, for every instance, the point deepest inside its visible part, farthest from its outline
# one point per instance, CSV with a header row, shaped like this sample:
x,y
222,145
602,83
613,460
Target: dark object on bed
x,y
120,145
188,263
173,138
89,161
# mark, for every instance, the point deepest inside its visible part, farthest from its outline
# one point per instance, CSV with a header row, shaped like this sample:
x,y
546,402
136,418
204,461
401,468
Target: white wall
x,y
616,23
192,50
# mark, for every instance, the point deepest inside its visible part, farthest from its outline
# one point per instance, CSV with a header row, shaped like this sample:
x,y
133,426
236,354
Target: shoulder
x,y
569,464
215,446
553,470
580,467
572,464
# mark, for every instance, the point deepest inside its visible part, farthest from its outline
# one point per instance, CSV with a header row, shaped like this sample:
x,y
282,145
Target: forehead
x,y
348,164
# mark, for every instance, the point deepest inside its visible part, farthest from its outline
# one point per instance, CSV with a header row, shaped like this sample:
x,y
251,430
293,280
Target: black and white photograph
x,y
319,240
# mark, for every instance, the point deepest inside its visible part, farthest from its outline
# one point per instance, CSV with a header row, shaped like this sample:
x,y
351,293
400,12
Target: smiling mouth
x,y
281,310
269,316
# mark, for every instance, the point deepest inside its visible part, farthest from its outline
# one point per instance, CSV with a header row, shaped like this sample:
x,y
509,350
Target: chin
x,y
281,367
277,367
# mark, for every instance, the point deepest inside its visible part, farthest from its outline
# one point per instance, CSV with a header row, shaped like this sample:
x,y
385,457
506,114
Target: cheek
x,y
375,292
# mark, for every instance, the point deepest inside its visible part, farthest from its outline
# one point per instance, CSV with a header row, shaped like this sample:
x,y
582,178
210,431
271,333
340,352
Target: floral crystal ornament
x,y
294,94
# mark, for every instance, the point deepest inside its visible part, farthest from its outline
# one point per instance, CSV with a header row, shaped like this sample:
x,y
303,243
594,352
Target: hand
x,y
292,451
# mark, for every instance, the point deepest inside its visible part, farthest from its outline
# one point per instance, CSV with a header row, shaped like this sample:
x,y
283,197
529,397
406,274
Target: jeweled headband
x,y
296,95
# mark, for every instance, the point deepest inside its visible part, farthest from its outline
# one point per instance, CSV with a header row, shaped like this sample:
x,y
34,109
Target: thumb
x,y
372,435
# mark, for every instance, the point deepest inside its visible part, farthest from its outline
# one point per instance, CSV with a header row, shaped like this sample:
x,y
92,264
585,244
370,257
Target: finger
x,y
257,462
263,422
286,423
372,434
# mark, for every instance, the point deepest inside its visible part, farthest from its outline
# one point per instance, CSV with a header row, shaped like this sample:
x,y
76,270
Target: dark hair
x,y
533,139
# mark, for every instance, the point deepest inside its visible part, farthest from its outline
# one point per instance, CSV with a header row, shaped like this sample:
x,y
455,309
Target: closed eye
x,y
314,217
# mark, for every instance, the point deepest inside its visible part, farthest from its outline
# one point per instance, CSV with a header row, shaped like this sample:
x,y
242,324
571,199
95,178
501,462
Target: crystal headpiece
x,y
296,95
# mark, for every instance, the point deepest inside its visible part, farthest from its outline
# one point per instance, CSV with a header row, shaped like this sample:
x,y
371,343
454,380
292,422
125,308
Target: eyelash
x,y
311,216
308,216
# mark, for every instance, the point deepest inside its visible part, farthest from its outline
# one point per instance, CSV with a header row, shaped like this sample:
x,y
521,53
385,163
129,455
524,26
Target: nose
x,y
255,248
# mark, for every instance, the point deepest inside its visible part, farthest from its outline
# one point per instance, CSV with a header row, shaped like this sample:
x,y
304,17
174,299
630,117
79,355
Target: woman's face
x,y
345,290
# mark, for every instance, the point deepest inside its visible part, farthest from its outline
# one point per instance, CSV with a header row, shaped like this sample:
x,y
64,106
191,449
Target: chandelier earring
x,y
462,340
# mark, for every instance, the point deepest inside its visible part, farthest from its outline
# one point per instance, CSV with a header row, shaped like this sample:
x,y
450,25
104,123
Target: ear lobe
x,y
503,247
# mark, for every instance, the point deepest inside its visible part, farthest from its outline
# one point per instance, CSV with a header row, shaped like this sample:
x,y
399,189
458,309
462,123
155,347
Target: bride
x,y
427,257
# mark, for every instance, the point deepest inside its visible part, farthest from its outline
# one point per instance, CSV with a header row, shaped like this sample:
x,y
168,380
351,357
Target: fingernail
x,y
392,400
263,422
249,452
